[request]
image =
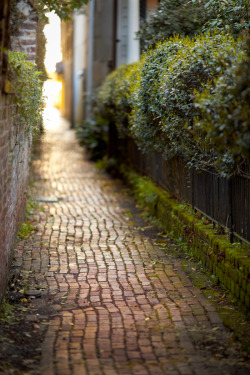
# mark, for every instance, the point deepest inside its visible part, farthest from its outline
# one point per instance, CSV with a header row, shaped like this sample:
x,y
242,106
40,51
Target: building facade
x,y
98,40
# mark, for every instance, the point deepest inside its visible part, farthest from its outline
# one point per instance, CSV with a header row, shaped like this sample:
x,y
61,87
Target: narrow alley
x,y
112,301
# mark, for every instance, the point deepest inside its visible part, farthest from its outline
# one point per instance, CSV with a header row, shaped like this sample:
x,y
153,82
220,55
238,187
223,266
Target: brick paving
x,y
112,301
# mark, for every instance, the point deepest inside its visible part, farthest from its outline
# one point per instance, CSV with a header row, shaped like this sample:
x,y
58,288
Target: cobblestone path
x,y
112,301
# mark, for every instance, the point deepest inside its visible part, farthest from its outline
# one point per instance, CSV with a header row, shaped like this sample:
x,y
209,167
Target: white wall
x,y
79,51
128,22
122,32
133,27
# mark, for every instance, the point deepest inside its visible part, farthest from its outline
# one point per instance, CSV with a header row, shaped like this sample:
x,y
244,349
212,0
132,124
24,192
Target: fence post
x,y
192,186
112,140
231,229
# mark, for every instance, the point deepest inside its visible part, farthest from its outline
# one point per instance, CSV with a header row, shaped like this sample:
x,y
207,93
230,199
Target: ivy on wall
x,y
41,45
25,76
27,88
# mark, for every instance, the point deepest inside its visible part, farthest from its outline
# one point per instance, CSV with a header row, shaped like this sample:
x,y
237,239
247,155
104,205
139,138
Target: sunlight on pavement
x,y
53,121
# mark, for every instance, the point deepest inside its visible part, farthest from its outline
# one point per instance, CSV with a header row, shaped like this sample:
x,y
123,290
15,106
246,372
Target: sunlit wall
x,y
53,86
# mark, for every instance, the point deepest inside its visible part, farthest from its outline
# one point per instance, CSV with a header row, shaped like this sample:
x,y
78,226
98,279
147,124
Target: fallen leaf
x,y
159,241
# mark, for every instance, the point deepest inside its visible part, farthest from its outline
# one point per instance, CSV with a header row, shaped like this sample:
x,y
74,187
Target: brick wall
x,y
4,38
14,167
15,143
25,39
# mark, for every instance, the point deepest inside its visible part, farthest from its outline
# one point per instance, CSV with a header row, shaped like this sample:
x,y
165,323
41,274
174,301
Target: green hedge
x,y
93,135
113,97
162,101
233,15
173,17
225,111
183,17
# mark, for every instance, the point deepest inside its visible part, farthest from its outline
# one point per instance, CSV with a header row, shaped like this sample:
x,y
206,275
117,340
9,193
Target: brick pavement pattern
x,y
114,302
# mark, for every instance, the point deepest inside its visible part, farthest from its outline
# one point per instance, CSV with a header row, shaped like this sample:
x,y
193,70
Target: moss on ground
x,y
228,263
25,230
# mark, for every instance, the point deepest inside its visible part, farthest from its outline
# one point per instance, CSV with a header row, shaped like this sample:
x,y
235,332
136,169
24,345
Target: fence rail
x,y
224,201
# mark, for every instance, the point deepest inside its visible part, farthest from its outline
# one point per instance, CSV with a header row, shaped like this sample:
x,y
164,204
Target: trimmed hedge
x,y
233,15
173,17
225,111
113,97
158,100
94,137
183,17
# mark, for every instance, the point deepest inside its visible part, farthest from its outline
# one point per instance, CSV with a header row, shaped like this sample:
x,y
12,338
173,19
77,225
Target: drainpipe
x,y
90,58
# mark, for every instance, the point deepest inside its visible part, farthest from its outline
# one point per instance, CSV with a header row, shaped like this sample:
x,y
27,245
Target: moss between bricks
x,y
230,263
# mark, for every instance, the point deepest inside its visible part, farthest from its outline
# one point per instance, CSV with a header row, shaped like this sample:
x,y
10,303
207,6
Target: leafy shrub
x,y
225,112
111,105
113,100
27,88
41,45
145,119
171,100
172,17
233,15
94,136
163,97
62,8
183,17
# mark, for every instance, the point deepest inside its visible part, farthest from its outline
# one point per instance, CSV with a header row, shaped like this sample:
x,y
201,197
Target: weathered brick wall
x,y
14,166
26,38
4,38
15,143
